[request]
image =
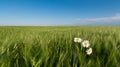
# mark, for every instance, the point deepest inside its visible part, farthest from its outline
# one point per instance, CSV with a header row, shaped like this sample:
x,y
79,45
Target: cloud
x,y
99,21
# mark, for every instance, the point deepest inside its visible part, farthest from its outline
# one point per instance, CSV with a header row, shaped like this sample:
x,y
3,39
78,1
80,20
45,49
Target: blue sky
x,y
59,12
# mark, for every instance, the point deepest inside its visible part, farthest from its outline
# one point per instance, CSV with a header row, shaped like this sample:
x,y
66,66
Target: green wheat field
x,y
54,46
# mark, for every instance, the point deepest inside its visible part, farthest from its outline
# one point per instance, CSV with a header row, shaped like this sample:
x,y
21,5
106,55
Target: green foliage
x,y
54,46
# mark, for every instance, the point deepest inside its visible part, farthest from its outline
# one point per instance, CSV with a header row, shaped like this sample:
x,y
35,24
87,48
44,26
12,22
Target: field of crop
x,y
55,46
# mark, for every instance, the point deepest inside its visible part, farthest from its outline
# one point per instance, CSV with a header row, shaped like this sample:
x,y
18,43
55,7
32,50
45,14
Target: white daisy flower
x,y
77,40
89,51
85,43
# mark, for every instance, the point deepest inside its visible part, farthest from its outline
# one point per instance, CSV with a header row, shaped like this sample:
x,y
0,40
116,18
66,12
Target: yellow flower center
x,y
89,51
86,43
